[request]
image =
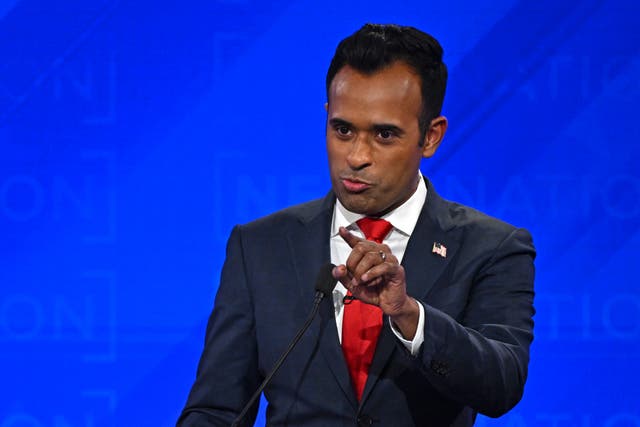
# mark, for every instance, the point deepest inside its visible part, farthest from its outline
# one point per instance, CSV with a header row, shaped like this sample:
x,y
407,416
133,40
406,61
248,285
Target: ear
x,y
434,136
326,106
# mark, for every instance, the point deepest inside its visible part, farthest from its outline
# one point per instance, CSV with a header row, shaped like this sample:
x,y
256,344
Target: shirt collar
x,y
403,218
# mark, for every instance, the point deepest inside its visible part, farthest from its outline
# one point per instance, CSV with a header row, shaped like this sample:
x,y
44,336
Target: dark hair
x,y
375,47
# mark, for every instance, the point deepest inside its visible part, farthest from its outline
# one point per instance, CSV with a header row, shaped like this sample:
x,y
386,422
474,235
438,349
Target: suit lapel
x,y
384,349
332,351
309,247
435,226
422,267
310,250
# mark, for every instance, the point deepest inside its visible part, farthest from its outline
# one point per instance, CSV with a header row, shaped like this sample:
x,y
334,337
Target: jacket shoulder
x,y
300,213
476,225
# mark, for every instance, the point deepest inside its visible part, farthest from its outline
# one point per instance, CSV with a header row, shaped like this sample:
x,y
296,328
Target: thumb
x,y
341,274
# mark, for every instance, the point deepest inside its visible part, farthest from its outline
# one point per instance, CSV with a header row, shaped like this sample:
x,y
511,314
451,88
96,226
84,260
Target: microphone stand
x,y
316,304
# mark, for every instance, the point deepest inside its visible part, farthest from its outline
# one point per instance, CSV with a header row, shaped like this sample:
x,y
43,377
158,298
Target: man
x,y
431,319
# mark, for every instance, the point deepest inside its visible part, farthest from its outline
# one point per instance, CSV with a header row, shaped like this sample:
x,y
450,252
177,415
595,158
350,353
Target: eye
x,y
343,131
386,135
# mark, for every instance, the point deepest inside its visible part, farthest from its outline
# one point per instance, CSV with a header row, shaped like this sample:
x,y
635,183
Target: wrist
x,y
406,319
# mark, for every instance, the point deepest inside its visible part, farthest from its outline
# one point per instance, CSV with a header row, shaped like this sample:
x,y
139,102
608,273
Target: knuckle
x,y
364,245
359,248
372,255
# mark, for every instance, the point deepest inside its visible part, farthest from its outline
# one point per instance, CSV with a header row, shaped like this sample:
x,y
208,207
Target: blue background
x,y
134,135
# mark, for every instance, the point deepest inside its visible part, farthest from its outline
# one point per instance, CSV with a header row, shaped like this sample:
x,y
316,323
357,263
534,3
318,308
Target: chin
x,y
361,208
353,205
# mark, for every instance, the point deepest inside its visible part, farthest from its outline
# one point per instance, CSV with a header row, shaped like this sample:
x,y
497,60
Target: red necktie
x,y
362,322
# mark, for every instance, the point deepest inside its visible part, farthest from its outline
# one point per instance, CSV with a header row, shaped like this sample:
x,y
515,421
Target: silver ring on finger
x,y
383,256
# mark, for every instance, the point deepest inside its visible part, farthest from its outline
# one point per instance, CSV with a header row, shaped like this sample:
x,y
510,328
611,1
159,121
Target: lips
x,y
355,185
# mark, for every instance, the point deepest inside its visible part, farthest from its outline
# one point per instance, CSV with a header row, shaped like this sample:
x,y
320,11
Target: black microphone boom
x,y
324,286
325,282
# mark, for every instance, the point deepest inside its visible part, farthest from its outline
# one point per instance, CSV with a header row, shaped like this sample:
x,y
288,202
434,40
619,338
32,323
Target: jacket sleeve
x,y
228,370
481,359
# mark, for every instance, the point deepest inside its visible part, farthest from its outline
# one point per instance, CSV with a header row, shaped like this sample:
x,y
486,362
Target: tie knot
x,y
375,229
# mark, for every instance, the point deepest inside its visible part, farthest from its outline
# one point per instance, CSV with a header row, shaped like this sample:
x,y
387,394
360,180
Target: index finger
x,y
351,239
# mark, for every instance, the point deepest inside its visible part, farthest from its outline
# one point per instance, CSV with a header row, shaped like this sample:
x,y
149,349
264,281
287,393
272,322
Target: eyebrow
x,y
339,122
389,127
376,127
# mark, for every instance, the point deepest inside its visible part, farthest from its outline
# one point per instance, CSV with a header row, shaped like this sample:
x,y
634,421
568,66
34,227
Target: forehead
x,y
391,92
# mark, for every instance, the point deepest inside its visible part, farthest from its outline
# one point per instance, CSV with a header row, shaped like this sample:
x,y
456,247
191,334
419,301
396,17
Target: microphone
x,y
325,283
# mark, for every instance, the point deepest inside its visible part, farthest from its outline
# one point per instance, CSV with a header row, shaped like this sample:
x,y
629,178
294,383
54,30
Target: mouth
x,y
354,185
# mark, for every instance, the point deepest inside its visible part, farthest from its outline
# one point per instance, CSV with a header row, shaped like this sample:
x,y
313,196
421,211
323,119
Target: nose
x,y
359,156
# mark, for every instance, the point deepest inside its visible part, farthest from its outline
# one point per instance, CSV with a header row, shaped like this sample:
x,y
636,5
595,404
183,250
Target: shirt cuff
x,y
412,346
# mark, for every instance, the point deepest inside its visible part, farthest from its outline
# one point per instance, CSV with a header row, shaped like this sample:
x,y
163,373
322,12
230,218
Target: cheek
x,y
334,163
334,153
400,170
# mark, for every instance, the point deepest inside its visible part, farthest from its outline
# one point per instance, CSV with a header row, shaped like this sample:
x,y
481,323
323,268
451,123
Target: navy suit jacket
x,y
478,304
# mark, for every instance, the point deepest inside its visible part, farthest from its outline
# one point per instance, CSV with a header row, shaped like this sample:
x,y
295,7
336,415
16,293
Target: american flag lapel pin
x,y
440,249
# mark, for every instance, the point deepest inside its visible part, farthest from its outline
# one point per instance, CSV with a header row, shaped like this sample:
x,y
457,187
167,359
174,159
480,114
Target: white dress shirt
x,y
403,219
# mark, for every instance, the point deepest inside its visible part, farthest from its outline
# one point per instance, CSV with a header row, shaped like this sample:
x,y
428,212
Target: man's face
x,y
373,138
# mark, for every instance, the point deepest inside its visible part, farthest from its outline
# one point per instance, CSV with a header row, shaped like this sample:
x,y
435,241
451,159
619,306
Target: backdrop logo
x,y
86,200
549,196
88,87
245,197
82,323
587,317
